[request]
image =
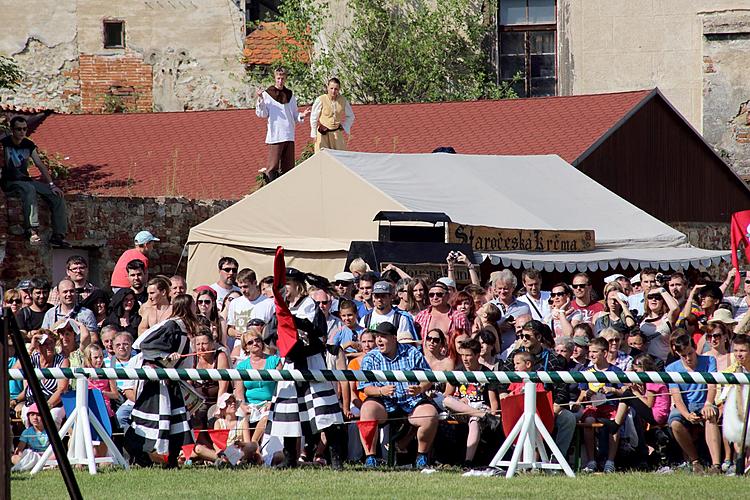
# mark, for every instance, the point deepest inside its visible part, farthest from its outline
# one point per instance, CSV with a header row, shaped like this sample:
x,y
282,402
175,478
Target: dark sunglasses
x,y
15,301
655,296
204,301
229,269
558,294
579,285
524,336
433,339
436,294
342,283
322,302
710,336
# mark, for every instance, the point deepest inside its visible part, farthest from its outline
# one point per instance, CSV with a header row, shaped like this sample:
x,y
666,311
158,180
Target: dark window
x,y
114,34
527,42
261,10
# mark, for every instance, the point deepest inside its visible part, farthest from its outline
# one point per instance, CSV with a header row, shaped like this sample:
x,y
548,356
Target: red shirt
x,y
588,311
120,274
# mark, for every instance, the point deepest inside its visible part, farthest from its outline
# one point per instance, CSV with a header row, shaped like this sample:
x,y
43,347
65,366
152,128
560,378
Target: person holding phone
x,y
562,317
616,313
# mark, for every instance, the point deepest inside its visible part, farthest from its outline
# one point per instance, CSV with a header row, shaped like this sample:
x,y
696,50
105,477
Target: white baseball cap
x,y
144,237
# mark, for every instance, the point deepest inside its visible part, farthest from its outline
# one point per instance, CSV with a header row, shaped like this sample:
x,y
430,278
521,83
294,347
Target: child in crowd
x,y
599,408
240,447
93,357
32,443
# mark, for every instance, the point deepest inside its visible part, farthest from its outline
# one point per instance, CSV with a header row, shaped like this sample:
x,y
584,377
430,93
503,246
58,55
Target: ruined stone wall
x,y
105,228
193,49
726,86
694,51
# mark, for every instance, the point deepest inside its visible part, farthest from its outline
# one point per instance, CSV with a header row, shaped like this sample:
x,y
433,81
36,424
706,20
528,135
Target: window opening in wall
x,y
114,34
527,42
261,10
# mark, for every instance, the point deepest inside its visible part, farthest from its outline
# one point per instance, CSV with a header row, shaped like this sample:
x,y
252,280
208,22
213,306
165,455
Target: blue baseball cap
x,y
145,237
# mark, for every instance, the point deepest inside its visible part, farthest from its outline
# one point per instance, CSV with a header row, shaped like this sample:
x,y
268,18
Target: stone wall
x,y
194,51
104,228
694,51
710,236
726,91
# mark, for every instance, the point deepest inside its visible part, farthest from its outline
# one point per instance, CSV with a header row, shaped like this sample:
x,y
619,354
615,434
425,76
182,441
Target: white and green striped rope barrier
x,y
408,376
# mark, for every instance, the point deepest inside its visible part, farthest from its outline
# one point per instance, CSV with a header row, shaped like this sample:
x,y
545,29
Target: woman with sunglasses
x,y
615,356
616,313
254,397
228,300
436,352
44,355
661,311
13,299
206,301
406,301
562,317
718,339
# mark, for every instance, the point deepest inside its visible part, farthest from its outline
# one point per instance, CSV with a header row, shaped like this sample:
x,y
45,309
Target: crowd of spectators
x,y
393,321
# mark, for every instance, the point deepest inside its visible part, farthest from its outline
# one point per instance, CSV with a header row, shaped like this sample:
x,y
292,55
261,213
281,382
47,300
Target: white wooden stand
x,y
80,446
532,435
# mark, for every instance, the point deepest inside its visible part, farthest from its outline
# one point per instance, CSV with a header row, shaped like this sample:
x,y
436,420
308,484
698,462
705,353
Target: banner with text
x,y
494,239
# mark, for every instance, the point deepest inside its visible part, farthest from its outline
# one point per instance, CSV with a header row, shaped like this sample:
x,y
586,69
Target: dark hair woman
x,y
123,312
207,307
98,303
167,346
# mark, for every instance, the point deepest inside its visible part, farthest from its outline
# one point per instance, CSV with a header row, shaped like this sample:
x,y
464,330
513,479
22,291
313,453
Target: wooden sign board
x,y
494,239
434,271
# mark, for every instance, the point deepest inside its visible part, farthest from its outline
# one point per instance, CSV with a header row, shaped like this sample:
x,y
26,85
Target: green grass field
x,y
209,483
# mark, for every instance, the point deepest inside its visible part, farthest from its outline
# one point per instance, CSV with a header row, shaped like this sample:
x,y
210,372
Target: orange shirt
x,y
356,364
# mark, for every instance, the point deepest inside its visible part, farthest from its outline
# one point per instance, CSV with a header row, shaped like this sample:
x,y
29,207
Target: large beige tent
x,y
316,211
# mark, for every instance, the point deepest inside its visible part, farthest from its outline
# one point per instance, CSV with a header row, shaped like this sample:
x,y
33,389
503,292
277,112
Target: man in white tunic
x,y
279,107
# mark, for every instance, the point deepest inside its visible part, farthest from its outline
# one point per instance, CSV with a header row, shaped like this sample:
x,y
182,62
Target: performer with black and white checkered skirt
x,y
304,409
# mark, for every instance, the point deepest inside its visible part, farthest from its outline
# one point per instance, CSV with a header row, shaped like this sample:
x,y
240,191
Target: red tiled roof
x,y
216,154
565,126
262,44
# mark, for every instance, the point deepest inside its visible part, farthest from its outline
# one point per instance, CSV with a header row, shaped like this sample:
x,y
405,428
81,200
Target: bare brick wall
x,y
105,227
124,77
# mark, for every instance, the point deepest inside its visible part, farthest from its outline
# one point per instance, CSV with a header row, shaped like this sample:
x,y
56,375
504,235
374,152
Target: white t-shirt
x,y
222,292
377,318
242,310
539,308
739,304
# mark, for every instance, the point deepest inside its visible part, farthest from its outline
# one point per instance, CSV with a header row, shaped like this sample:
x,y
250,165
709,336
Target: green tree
x,y
393,50
10,73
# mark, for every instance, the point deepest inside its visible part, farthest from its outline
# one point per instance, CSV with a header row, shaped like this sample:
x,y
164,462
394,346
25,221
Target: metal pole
x,y
5,437
49,424
739,464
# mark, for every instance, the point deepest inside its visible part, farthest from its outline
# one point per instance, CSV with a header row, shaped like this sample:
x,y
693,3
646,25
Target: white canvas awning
x,y
330,200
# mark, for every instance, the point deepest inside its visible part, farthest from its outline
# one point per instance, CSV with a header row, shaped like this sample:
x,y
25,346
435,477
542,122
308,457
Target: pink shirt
x,y
662,402
120,274
102,385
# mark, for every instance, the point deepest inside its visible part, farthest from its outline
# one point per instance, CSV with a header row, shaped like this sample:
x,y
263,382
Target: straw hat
x,y
723,316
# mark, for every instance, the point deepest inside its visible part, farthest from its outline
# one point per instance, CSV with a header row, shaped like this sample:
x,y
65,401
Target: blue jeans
x,y
28,192
123,414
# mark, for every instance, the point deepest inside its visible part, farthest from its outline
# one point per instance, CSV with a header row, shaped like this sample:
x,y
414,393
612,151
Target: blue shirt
x,y
407,357
15,386
344,335
36,441
693,394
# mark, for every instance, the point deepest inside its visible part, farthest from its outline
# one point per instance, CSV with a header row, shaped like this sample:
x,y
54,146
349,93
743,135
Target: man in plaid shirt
x,y
388,400
440,314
